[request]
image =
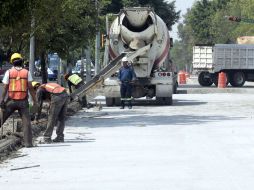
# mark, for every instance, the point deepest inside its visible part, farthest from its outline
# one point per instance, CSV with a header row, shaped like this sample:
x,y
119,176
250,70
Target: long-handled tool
x,y
2,118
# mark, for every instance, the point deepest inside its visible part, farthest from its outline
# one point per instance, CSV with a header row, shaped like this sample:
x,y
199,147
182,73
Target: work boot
x,y
122,104
45,140
58,139
129,105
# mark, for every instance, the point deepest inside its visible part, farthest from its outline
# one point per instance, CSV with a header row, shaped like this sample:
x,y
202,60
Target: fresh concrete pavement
x,y
203,141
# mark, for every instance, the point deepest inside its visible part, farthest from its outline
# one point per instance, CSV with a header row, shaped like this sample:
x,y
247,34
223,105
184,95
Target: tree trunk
x,y
44,73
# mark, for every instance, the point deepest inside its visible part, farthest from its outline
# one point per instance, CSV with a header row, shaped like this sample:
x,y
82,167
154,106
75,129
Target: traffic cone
x,y
222,80
182,77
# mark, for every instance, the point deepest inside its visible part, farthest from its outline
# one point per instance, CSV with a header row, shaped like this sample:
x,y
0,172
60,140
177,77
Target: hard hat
x,y
34,84
15,56
124,59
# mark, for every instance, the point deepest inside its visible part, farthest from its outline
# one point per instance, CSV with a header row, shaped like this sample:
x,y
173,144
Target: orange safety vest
x,y
18,80
53,88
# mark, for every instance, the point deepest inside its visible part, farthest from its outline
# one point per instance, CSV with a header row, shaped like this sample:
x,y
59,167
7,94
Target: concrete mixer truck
x,y
144,37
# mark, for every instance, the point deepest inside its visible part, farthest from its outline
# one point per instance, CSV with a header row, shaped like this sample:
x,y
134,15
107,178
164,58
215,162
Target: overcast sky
x,y
181,5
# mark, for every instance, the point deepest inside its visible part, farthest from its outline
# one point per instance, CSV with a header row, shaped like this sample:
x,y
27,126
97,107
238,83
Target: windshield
x,y
54,62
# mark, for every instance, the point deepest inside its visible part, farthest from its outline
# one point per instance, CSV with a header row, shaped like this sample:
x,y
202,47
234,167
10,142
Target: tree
x,y
163,8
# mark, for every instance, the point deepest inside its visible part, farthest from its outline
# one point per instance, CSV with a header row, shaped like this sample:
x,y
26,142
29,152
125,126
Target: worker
x,y
17,82
58,98
126,78
75,81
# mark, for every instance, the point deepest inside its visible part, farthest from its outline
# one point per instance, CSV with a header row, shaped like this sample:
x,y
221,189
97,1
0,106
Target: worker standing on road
x,y
17,82
75,81
126,77
58,98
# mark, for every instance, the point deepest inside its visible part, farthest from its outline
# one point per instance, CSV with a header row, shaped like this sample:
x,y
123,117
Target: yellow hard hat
x,y
15,56
34,84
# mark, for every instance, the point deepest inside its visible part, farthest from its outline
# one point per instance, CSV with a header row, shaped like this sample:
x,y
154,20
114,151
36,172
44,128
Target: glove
x,y
2,105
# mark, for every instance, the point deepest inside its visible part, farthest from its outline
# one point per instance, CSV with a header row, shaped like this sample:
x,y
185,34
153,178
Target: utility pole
x,y
106,57
97,42
32,48
82,64
88,64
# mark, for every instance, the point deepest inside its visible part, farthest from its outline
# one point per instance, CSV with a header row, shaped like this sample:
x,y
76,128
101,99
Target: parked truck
x,y
141,31
236,60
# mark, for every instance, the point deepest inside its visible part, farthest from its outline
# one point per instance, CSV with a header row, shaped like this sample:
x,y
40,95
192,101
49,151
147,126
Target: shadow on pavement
x,y
178,102
132,119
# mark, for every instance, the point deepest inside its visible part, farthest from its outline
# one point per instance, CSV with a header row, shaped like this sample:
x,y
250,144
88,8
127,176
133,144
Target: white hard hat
x,y
124,59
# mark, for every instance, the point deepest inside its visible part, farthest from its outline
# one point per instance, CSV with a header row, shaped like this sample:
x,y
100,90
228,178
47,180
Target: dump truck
x,y
236,60
140,30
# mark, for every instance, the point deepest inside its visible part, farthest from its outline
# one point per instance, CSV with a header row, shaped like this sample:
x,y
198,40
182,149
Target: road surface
x,y
202,142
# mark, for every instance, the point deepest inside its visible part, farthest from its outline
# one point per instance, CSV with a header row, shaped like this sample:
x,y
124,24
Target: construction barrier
x,y
222,81
182,77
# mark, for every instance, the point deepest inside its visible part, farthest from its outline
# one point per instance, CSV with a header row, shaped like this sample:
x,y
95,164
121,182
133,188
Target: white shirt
x,y
7,74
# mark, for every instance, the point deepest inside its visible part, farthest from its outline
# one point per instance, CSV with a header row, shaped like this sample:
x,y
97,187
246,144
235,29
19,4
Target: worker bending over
x,y
75,81
17,82
58,98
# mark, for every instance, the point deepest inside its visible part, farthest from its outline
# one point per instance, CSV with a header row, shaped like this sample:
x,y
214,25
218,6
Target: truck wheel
x,y
109,101
117,101
216,79
237,79
204,79
175,88
164,100
169,100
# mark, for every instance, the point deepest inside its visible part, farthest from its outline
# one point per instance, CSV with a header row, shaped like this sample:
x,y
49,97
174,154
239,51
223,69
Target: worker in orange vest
x,y
17,82
58,98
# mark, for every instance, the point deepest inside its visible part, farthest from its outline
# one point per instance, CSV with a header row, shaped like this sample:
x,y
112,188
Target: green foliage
x,y
12,11
205,23
166,10
63,26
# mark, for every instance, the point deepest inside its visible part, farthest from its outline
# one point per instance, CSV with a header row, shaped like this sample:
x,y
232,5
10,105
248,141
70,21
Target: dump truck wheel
x,y
216,79
237,79
204,80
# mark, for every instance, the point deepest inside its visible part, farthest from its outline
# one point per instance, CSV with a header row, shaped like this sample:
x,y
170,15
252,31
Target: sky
x,y
182,5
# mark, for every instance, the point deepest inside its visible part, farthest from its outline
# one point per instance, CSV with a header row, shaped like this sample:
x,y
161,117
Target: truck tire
x,y
169,100
204,80
164,100
237,79
215,79
117,101
175,88
109,101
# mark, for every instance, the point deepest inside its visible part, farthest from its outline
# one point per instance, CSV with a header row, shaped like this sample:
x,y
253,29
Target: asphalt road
x,y
202,142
